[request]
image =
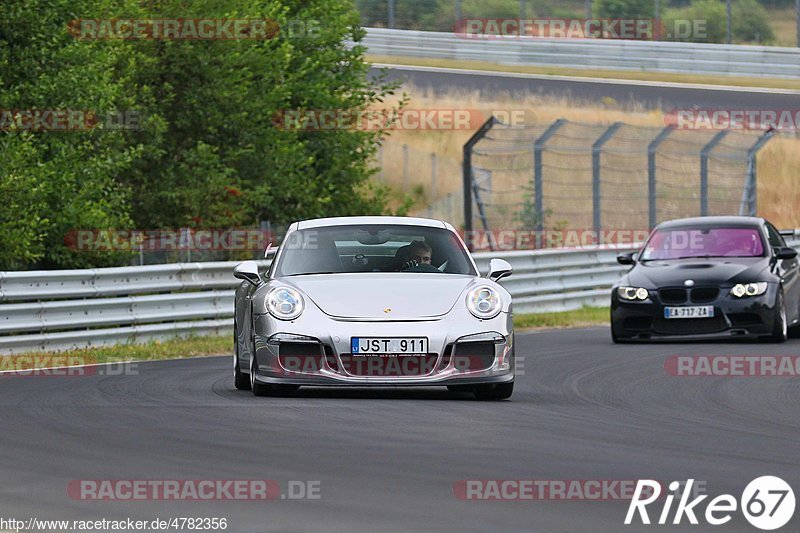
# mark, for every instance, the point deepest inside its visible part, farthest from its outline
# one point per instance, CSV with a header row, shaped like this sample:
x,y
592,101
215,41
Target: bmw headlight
x,y
484,302
285,303
740,290
633,293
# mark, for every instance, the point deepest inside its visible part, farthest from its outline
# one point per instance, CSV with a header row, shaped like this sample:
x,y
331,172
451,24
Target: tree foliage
x,y
206,152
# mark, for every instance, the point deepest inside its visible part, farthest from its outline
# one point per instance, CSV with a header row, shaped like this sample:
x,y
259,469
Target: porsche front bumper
x,y
462,350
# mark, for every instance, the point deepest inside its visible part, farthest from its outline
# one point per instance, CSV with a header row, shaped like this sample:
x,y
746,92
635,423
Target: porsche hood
x,y
384,296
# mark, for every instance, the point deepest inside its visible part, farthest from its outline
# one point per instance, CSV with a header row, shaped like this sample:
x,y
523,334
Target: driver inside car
x,y
419,253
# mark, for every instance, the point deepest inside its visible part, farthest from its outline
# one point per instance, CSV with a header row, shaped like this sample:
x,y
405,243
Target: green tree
x,y
206,152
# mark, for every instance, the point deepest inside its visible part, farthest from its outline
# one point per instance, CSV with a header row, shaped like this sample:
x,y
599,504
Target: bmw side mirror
x,y
785,252
247,271
626,258
499,269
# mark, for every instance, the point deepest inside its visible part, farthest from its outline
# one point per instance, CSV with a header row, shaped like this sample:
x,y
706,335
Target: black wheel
x,y
616,339
498,391
240,379
259,389
264,389
780,326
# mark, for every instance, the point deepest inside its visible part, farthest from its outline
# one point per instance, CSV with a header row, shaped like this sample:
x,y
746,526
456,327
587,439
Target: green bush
x,y
750,22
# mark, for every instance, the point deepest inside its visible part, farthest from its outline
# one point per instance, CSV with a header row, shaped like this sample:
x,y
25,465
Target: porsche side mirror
x,y
499,269
248,271
784,252
626,258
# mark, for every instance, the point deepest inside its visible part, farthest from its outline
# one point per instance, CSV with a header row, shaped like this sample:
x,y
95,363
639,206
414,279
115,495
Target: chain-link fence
x,y
574,176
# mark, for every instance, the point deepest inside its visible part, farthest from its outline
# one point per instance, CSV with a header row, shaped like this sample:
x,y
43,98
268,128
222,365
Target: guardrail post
x,y
651,173
707,149
538,178
597,149
467,174
750,192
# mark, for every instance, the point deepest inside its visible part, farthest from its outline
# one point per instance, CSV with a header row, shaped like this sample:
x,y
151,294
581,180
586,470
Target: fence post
x,y
538,178
467,174
651,173
381,176
597,149
707,149
433,176
405,166
750,192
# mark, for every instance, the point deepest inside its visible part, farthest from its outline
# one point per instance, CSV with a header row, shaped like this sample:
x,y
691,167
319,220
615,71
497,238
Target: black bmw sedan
x,y
708,277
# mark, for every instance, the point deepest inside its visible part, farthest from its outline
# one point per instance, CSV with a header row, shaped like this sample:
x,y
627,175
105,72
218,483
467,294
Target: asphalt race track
x,y
650,95
387,459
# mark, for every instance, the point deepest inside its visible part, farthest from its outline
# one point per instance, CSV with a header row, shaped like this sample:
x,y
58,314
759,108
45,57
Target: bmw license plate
x,y
388,345
699,311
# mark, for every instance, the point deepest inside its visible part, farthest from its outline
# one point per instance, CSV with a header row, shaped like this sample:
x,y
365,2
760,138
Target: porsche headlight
x,y
633,293
740,290
484,302
285,303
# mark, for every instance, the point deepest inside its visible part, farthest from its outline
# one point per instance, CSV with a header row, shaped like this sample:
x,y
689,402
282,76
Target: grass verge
x,y
221,345
578,318
156,350
770,83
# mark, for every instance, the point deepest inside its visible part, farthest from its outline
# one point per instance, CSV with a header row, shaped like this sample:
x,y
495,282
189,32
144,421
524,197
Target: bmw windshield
x,y
684,243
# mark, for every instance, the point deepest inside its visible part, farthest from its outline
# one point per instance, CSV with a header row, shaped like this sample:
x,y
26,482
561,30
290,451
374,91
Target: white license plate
x,y
388,345
699,311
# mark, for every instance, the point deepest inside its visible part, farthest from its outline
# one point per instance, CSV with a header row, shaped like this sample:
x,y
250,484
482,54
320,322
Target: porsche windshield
x,y
704,242
373,248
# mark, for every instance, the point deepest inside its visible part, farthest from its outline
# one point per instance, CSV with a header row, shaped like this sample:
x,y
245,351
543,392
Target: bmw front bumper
x,y
747,317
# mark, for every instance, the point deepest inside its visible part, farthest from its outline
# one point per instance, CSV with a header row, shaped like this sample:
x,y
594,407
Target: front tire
x,y
495,391
259,389
264,389
615,338
780,326
240,379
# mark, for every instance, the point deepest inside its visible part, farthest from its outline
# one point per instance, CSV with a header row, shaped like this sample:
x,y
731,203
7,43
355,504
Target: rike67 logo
x,y
767,503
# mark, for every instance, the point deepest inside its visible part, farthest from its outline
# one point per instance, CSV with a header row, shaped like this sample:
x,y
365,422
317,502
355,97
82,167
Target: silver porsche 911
x,y
373,301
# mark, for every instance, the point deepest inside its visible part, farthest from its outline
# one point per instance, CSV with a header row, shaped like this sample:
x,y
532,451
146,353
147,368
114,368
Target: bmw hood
x,y
383,296
653,274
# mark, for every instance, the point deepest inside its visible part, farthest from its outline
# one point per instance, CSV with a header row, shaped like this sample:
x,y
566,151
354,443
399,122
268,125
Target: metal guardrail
x,y
610,54
59,310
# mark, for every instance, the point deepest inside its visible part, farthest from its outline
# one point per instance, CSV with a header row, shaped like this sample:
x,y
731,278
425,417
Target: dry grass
x,y
784,26
778,191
